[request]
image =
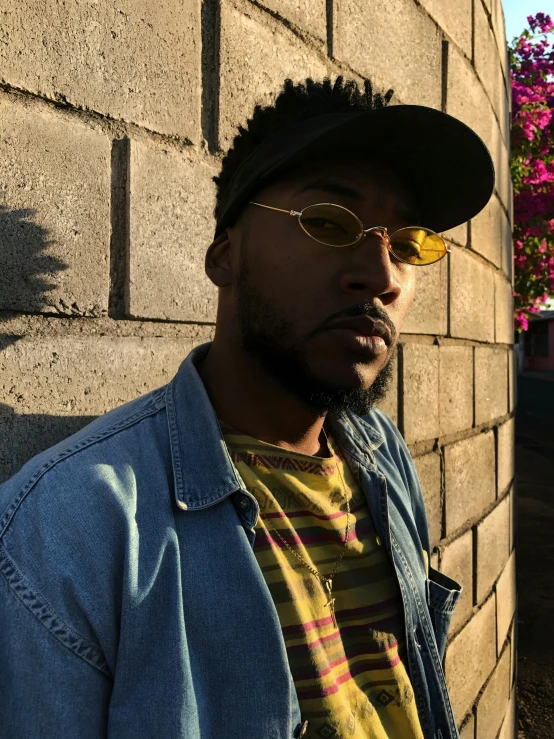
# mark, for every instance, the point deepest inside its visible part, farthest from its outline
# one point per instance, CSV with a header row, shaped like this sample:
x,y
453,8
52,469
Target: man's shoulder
x,y
69,524
112,440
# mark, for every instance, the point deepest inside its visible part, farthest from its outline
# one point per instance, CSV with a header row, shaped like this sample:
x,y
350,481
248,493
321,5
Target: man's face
x,y
309,312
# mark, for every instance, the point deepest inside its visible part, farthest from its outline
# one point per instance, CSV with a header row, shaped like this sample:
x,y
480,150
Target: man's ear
x,y
218,261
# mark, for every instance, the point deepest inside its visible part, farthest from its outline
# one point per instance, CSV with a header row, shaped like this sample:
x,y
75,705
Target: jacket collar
x,y
203,471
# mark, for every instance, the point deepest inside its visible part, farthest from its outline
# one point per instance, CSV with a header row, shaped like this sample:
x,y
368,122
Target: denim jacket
x,y
132,604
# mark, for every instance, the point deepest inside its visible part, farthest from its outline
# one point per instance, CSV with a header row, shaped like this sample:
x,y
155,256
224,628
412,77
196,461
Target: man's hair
x,y
294,103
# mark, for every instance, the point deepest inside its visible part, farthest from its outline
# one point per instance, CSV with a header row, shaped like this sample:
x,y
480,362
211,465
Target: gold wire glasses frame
x,y
333,225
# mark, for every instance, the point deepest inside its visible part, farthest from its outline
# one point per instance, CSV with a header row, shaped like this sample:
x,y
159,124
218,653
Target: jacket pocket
x,y
443,594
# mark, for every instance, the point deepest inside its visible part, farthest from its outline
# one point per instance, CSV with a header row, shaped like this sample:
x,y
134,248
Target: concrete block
x,y
54,213
512,379
499,28
505,601
468,729
74,374
470,659
455,389
503,310
308,15
508,243
420,378
506,120
428,469
501,158
51,387
454,18
487,60
491,383
494,702
504,113
512,496
489,232
255,59
172,199
505,455
466,99
139,62
509,729
390,403
469,479
511,213
498,23
457,235
457,562
428,312
365,35
493,547
513,655
471,298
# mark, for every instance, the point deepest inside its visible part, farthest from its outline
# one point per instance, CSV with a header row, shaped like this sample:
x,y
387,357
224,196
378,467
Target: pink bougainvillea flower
x,y
532,166
521,321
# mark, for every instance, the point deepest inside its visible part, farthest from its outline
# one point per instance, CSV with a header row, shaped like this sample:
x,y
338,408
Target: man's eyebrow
x,y
335,188
412,215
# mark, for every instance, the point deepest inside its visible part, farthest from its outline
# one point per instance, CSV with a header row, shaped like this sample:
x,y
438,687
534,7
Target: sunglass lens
x,y
417,245
330,224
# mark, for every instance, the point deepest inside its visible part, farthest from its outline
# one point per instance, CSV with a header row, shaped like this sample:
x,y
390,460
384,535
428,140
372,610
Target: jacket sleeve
x,y
47,688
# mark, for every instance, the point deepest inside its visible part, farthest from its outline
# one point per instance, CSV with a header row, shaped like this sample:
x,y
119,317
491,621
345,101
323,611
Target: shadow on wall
x,y
28,271
27,276
24,435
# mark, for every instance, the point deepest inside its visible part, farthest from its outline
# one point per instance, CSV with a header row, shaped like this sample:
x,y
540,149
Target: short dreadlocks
x,y
295,103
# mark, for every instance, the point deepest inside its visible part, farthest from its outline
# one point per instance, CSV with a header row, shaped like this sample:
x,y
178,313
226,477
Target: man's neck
x,y
247,397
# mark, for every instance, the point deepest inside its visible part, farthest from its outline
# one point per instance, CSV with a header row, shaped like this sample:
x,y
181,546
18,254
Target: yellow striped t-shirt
x,y
351,680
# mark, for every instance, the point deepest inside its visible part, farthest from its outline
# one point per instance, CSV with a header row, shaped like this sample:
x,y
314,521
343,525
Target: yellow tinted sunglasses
x,y
334,225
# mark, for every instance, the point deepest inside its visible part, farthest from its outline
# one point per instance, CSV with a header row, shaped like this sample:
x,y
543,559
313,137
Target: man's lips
x,y
362,326
361,334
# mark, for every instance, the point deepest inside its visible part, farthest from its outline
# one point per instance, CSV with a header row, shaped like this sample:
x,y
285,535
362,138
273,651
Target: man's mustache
x,y
362,309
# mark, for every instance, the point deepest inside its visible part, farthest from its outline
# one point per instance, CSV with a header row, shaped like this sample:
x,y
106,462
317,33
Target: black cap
x,y
448,165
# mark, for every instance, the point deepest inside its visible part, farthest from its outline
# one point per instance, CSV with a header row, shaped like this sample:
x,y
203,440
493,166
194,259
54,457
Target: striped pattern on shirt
x,y
351,680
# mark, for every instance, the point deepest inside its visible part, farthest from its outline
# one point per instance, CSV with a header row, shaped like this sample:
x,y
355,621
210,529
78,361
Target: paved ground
x,y
535,556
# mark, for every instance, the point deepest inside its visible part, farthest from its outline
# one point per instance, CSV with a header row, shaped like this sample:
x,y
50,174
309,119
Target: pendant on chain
x,y
331,602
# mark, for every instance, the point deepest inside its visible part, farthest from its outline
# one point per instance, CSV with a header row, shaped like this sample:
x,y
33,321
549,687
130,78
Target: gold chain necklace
x,y
325,580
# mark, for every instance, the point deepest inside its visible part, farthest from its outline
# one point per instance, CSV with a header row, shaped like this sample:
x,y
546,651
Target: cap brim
x,y
445,161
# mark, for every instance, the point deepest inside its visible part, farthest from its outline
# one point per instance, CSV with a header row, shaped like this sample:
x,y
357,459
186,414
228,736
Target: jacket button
x,y
301,730
244,503
378,541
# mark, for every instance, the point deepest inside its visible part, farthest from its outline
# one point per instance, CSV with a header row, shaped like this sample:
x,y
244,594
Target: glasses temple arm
x,y
270,207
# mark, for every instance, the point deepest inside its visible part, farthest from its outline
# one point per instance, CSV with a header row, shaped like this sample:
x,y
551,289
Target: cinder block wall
x,y
112,119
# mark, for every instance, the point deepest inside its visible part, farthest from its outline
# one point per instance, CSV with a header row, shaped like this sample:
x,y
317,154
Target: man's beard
x,y
264,334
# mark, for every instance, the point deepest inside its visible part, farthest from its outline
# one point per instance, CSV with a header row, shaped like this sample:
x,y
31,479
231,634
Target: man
x,y
244,553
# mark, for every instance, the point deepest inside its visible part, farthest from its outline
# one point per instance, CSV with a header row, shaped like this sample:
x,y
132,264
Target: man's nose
x,y
369,270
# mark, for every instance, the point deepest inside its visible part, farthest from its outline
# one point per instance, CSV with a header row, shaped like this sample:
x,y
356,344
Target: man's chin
x,y
335,388
349,373
335,401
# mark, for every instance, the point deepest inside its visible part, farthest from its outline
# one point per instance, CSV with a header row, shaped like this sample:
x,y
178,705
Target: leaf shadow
x,y
29,273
